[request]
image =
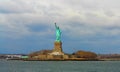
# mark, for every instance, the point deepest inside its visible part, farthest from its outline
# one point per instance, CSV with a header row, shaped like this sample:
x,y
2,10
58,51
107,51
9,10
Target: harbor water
x,y
59,66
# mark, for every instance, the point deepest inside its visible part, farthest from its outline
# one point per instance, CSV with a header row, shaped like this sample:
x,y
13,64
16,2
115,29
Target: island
x,y
57,53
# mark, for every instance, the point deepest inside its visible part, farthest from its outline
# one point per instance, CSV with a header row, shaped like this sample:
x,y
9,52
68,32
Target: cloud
x,y
81,17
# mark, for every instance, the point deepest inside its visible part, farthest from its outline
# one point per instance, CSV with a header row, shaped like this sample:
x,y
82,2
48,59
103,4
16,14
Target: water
x,y
59,66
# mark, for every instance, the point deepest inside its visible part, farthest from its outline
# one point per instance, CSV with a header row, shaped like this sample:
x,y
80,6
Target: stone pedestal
x,y
57,48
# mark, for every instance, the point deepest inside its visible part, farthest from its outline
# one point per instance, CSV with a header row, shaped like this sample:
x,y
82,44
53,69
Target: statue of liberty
x,y
58,33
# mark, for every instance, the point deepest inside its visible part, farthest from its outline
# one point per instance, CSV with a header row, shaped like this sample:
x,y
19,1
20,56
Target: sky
x,y
91,25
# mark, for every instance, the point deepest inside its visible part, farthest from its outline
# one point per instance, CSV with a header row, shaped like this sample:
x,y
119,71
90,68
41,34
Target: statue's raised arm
x,y
56,26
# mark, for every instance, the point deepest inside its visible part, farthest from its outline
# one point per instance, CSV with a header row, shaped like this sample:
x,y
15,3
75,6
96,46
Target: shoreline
x,y
80,59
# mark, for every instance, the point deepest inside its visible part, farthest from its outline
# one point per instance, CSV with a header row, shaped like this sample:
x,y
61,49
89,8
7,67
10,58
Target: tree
x,y
42,52
85,54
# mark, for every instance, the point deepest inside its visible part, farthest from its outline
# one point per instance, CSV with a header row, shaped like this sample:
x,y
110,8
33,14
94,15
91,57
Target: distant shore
x,y
100,57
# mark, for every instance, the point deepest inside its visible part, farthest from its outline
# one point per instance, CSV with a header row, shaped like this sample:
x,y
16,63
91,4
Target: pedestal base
x,y
57,48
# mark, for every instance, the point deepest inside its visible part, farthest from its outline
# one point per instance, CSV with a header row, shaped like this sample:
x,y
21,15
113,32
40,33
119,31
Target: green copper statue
x,y
58,33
